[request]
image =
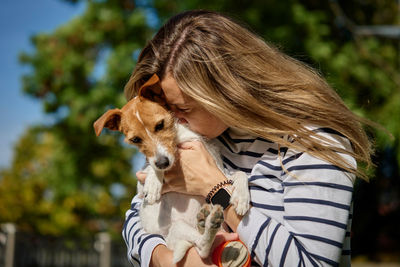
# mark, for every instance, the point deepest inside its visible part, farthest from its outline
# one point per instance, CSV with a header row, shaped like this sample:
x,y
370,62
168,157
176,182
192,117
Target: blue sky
x,y
20,19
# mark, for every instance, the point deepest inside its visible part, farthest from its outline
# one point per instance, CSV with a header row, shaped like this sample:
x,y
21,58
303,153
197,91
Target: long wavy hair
x,y
251,85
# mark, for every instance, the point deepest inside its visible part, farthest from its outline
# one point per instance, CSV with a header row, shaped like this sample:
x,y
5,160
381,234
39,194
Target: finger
x,y
141,176
222,237
189,145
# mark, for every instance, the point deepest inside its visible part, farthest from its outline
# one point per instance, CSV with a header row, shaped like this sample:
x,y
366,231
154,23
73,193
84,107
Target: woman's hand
x,y
162,256
197,168
195,171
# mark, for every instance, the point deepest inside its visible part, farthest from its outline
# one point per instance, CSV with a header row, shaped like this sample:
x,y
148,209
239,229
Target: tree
x,y
68,176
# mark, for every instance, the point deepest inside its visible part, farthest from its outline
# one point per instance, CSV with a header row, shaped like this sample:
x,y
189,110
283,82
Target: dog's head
x,y
146,122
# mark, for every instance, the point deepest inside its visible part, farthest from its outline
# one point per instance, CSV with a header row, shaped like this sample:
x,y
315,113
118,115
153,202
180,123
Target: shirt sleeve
x,y
140,244
306,220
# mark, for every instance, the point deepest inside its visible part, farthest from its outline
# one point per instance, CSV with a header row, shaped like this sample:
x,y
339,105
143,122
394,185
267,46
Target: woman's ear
x,y
152,90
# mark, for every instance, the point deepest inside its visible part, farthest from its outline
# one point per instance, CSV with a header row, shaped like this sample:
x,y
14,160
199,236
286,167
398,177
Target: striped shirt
x,y
301,205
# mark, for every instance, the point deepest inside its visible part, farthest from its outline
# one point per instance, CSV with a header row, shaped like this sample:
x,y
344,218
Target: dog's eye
x,y
136,140
159,126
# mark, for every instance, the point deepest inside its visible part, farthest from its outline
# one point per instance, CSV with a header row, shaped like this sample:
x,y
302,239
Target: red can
x,y
232,254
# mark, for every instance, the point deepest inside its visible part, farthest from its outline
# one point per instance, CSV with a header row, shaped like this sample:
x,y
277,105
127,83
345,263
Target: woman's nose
x,y
177,114
180,116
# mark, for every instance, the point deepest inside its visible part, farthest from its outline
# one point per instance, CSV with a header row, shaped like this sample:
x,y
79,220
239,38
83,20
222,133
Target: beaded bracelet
x,y
216,188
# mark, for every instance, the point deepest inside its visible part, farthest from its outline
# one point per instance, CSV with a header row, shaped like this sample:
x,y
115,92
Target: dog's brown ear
x,y
111,120
152,91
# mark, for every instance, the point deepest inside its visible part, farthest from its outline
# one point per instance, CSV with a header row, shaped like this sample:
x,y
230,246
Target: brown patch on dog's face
x,y
146,123
150,127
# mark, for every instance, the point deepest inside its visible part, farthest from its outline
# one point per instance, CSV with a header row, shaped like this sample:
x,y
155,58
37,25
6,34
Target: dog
x,y
183,220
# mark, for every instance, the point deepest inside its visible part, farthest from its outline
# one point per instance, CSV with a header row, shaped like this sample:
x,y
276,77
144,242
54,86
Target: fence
x,y
25,250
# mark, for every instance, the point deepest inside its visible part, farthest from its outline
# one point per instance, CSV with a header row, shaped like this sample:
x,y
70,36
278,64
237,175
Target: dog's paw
x,y
212,224
216,217
202,216
152,191
240,198
241,204
140,190
152,195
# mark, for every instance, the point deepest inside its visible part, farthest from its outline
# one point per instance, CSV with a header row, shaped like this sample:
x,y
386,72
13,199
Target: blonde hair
x,y
250,85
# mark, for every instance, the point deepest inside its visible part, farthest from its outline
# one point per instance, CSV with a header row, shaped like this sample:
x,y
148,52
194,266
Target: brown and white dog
x,y
183,220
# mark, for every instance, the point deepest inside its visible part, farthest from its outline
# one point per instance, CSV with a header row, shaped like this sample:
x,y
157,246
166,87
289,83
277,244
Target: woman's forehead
x,y
173,95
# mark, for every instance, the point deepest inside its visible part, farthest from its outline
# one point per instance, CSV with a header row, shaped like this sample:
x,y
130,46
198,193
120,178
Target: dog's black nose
x,y
162,162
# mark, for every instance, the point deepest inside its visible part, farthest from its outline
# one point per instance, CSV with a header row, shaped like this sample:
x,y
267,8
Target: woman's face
x,y
189,112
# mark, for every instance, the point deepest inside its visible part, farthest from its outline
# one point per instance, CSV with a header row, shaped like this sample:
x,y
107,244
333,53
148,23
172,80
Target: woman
x,y
273,118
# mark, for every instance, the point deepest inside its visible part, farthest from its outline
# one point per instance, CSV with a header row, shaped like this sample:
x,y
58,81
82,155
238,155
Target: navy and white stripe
x,y
301,205
139,243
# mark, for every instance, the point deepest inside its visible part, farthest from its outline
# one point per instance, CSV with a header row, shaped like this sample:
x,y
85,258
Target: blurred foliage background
x,y
64,181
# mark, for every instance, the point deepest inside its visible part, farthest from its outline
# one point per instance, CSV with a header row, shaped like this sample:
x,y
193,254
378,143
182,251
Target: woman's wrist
x,y
231,218
160,256
218,178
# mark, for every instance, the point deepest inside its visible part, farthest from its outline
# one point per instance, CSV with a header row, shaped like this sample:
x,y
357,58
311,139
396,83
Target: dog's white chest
x,y
172,207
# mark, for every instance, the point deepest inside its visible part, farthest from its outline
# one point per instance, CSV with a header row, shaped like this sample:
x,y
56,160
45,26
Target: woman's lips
x,y
182,121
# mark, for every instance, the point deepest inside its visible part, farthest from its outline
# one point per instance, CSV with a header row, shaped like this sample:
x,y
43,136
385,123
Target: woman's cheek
x,y
194,127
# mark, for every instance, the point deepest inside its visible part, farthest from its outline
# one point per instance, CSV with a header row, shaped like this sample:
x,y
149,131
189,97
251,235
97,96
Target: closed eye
x,y
136,140
183,110
159,126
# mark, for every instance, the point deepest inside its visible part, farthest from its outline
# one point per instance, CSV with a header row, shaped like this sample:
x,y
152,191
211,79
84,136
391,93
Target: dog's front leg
x,y
209,222
240,198
153,185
